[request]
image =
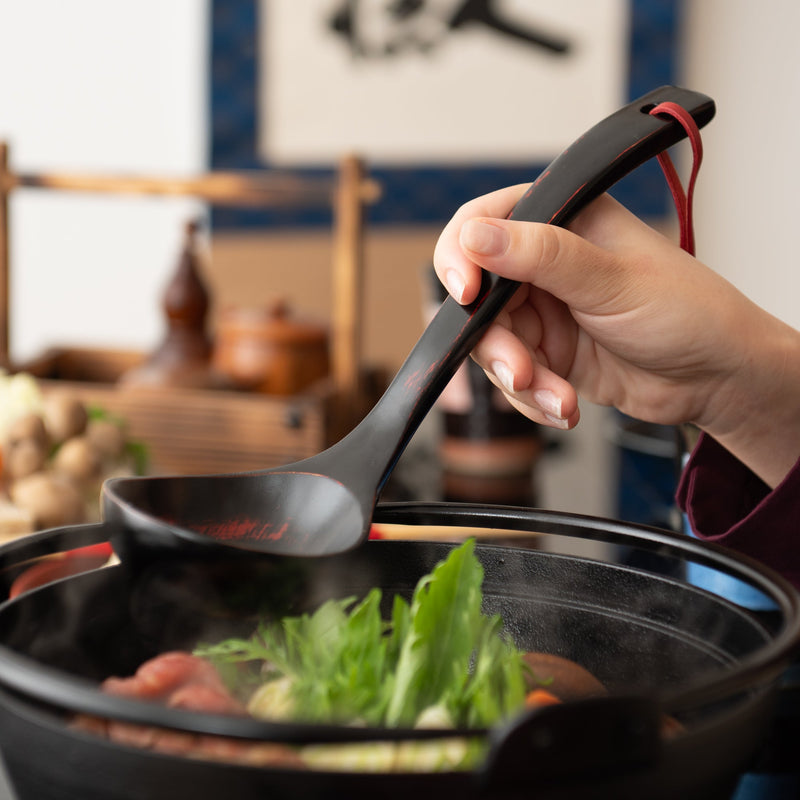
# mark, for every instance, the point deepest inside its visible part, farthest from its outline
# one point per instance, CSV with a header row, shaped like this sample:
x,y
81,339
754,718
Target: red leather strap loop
x,y
683,201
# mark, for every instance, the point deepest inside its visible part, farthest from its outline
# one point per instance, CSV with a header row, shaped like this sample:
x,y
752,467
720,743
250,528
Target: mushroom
x,y
25,448
28,426
24,458
64,416
107,438
78,459
52,500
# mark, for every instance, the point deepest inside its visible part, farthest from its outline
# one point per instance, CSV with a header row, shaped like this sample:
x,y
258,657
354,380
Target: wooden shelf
x,y
212,430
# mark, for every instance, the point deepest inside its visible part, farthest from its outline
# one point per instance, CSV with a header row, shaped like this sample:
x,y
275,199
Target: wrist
x,y
755,415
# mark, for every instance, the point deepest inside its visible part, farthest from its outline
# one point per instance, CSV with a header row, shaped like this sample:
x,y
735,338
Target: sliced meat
x,y
202,697
562,677
182,680
157,678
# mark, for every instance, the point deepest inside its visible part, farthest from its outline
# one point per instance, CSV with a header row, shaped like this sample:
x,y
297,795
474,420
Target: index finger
x,y
460,276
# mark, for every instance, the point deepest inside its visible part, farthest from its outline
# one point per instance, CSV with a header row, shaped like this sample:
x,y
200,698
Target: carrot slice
x,y
540,697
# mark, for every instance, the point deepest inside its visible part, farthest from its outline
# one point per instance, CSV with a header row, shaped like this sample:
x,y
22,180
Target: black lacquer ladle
x,y
324,504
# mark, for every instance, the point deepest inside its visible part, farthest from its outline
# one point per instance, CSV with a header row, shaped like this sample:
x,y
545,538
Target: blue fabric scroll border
x,y
411,195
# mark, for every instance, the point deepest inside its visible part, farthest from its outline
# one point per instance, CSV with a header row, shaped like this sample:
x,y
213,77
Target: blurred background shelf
x,y
192,430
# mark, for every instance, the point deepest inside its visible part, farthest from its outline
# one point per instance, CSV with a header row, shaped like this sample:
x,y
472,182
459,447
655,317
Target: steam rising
x,y
634,629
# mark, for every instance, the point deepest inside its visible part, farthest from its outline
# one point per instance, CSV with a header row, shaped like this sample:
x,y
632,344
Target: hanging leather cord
x,y
683,200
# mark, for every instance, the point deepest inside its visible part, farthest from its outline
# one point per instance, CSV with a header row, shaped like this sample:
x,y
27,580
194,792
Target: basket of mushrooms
x,y
55,452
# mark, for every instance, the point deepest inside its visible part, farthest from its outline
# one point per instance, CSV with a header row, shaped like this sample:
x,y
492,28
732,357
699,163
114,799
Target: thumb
x,y
556,260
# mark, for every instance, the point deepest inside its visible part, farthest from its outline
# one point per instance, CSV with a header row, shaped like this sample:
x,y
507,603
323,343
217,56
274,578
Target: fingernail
x,y
483,237
549,402
557,421
504,375
455,284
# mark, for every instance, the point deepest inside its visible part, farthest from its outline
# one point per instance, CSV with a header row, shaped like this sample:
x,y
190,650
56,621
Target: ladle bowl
x,y
324,504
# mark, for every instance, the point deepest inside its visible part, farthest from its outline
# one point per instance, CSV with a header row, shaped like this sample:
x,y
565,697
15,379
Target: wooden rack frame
x,y
348,193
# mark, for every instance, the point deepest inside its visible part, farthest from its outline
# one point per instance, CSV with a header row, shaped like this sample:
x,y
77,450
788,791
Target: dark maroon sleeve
x,y
727,504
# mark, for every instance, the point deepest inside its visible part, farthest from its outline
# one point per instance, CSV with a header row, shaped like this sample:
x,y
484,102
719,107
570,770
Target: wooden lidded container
x,y
269,350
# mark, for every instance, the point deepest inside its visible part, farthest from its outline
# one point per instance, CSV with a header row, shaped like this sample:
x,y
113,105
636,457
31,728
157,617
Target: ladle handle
x,y
591,165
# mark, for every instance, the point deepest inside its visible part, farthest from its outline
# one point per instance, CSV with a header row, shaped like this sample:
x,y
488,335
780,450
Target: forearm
x,y
756,414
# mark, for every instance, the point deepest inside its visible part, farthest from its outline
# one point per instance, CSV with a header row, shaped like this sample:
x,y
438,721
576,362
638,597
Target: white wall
x,y
98,86
745,55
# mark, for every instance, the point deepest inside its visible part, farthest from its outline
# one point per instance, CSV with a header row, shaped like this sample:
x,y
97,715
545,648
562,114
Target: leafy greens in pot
x,y
438,660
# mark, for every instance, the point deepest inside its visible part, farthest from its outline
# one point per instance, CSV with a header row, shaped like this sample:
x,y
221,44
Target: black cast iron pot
x,y
661,645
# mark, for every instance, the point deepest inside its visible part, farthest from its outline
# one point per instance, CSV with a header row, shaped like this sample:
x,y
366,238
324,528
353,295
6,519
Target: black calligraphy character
x,y
385,28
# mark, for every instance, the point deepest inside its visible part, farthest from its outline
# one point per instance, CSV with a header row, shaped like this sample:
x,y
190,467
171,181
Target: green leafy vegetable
x,y
345,663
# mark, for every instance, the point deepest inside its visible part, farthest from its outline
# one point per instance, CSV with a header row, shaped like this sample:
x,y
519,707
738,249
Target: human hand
x,y
614,311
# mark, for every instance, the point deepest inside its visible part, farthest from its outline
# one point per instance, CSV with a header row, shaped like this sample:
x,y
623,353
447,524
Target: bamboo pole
x,y
348,292
218,188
